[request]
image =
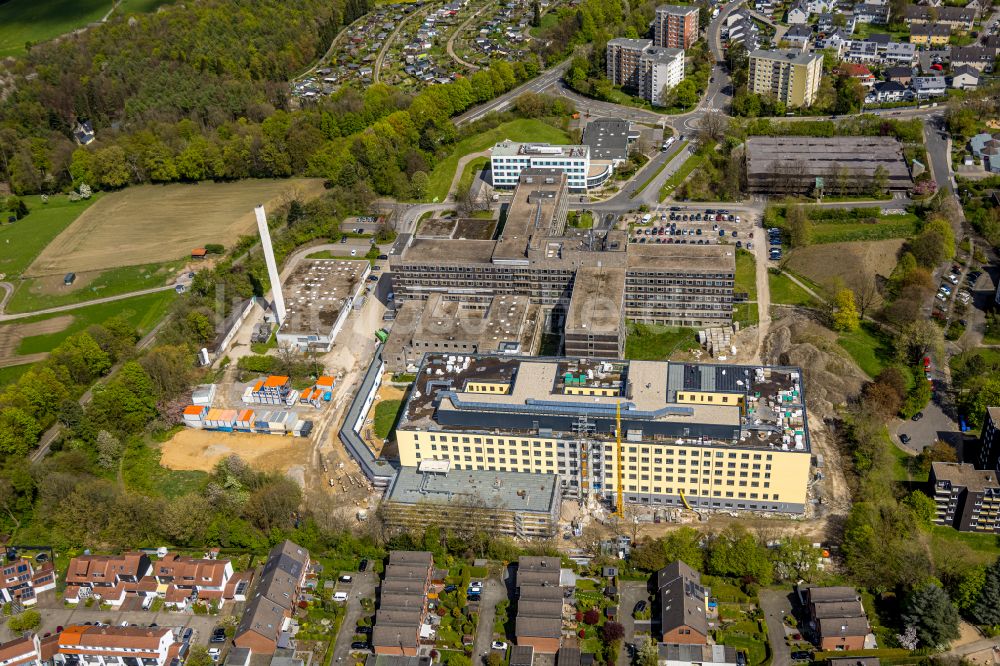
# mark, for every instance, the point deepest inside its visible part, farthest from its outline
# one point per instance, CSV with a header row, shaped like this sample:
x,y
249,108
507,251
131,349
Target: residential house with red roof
x,y
115,646
108,577
24,651
20,581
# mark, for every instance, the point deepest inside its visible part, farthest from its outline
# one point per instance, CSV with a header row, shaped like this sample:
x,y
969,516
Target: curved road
x,y
76,306
377,68
450,47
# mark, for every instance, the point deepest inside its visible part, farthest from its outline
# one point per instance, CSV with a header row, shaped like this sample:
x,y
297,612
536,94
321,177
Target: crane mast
x,y
620,508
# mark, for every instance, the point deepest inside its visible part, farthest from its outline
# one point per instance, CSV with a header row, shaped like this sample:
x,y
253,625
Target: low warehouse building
x,y
320,294
512,503
805,164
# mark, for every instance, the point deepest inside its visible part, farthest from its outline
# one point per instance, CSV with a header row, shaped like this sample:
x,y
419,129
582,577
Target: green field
x,y
515,130
25,239
23,21
139,6
746,274
469,173
9,374
868,347
989,544
786,292
679,176
31,295
385,417
648,342
747,314
144,312
864,223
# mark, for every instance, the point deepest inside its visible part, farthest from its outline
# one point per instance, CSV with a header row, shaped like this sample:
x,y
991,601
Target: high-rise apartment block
x,y
648,69
788,75
967,498
675,26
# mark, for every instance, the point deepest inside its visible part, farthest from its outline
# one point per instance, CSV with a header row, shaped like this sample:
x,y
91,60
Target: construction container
x,y
194,415
203,394
244,419
325,382
212,418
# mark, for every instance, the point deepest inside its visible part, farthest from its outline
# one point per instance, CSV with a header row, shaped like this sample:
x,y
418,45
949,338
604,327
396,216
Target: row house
x,y
263,627
798,36
117,646
929,86
977,57
873,12
178,580
957,18
108,578
827,23
23,651
21,582
183,580
930,34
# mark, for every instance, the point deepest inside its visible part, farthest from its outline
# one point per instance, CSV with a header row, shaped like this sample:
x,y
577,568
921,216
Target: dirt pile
x,y
831,377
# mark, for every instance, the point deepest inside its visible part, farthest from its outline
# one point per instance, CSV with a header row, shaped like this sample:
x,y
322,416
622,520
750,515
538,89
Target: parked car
x,y
346,578
450,588
214,653
640,606
359,645
801,655
499,645
340,596
917,416
474,597
904,438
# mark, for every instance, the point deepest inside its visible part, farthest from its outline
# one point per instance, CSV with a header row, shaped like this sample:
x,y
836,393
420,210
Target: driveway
x,y
494,592
631,592
776,605
64,617
363,586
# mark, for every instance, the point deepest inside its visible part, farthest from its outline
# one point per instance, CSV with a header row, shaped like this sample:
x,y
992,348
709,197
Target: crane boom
x,y
620,508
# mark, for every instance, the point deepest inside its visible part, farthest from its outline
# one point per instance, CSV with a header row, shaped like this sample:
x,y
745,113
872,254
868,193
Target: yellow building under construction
x,y
726,437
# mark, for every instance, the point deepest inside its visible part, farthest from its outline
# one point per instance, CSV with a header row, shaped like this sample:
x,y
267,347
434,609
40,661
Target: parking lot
x,y
202,625
689,226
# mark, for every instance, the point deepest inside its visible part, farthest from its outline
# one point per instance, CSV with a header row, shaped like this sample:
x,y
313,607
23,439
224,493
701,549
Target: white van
x,y
340,596
147,602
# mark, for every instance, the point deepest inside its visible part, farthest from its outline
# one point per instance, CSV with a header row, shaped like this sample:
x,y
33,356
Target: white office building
x,y
510,158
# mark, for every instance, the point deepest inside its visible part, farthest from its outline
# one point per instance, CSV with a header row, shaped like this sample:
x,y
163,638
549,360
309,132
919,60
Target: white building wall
x,y
507,169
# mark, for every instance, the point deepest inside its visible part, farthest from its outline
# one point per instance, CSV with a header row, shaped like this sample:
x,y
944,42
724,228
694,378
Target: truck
x,y
382,335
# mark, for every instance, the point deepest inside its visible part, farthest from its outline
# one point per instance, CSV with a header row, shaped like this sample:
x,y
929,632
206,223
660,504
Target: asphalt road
x,y
494,592
776,605
938,150
536,85
363,586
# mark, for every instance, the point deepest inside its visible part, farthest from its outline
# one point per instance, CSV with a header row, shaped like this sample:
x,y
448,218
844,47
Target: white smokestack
x,y
272,265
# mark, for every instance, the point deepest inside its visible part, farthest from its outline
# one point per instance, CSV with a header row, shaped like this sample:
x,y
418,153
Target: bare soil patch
x,y
154,223
826,262
12,334
201,449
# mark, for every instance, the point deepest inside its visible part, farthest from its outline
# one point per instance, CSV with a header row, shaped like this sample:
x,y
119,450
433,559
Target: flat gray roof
x,y
607,138
596,304
824,156
787,55
516,491
317,290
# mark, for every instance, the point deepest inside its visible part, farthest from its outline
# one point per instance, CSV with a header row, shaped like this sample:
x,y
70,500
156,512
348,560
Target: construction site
x,y
361,449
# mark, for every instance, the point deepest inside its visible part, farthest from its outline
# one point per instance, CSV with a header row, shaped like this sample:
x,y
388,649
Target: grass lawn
x,y
580,220
144,312
747,314
548,20
515,130
9,374
37,294
469,174
24,240
385,417
139,6
901,465
648,342
868,347
746,274
690,164
755,644
142,471
890,226
24,21
983,543
786,292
